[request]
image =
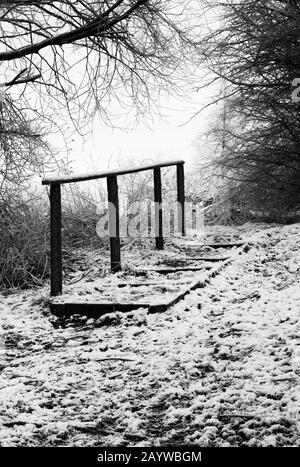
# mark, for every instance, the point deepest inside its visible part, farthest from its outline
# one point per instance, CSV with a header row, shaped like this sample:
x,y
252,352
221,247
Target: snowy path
x,y
221,368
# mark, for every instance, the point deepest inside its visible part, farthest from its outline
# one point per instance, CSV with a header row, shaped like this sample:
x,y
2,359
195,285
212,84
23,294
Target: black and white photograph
x,y
149,229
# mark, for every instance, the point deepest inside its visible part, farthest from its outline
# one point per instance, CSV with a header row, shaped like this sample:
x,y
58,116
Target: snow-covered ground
x,y
220,368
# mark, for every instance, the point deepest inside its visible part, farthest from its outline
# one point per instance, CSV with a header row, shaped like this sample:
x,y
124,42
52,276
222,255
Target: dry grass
x,y
24,242
24,231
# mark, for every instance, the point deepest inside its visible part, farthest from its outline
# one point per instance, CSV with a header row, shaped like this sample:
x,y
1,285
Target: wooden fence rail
x,y
113,199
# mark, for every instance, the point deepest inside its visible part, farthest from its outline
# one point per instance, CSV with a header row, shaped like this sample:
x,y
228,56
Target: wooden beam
x,y
214,245
181,198
174,283
114,228
204,258
55,240
159,241
96,175
170,270
93,310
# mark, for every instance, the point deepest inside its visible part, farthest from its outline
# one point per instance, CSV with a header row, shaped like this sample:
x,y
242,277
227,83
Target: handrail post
x,y
114,223
55,239
159,241
180,198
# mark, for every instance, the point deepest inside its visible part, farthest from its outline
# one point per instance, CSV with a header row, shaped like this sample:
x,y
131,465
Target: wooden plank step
x,y
93,310
215,245
205,258
174,270
152,284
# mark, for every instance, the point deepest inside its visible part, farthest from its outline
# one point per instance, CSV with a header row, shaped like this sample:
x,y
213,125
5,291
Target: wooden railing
x,y
113,199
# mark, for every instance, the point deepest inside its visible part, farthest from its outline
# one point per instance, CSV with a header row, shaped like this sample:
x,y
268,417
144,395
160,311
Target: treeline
x,y
255,54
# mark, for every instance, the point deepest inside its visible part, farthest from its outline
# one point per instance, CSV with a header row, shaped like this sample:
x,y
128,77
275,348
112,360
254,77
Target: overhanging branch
x,y
98,26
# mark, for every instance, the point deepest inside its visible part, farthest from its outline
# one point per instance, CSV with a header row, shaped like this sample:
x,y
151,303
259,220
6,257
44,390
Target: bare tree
x,y
255,51
80,55
23,150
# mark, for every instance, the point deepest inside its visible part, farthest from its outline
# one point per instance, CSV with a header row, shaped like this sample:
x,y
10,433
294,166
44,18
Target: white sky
x,y
167,137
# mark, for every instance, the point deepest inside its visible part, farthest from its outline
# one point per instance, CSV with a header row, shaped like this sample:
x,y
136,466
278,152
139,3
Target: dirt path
x,y
221,368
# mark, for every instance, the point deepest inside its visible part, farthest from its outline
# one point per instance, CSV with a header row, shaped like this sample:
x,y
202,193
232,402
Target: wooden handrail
x,y
94,176
112,191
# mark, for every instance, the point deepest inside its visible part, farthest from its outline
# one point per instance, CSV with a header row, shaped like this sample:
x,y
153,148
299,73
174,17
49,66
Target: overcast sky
x,y
173,135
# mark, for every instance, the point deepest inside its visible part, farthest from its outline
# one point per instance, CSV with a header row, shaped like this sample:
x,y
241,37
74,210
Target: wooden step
x,y
205,258
216,245
93,310
174,270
